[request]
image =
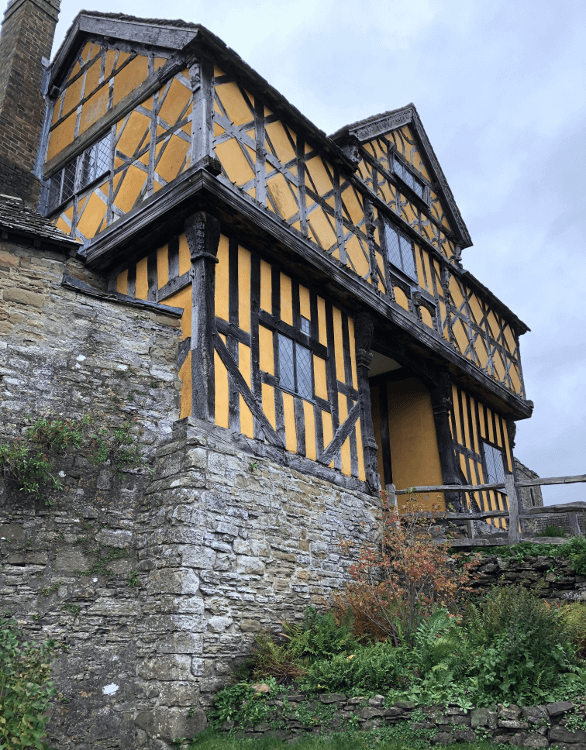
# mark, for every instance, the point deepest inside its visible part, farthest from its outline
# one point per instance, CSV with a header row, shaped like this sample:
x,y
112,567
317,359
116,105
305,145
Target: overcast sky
x,y
500,87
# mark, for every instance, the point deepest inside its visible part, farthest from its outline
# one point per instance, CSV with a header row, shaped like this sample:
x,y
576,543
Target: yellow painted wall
x,y
414,452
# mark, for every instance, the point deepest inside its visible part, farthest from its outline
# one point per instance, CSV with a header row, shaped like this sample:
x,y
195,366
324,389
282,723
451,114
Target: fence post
x,y
574,525
513,499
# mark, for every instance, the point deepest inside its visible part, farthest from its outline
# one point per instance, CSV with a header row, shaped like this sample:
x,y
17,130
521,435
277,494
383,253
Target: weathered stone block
x,y
556,709
68,561
249,565
172,581
24,297
169,667
561,734
119,538
170,724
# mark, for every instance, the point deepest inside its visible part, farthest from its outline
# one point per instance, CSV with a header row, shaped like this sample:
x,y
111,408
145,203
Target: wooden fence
x,y
516,514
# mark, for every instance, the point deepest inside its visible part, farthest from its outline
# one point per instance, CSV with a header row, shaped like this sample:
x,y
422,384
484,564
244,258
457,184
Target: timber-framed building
x,y
285,313
327,311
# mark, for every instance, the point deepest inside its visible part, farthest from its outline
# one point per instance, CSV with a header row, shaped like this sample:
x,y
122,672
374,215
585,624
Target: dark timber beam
x,y
441,403
363,332
203,236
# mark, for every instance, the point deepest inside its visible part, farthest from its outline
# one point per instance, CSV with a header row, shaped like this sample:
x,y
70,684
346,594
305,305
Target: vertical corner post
x,y
203,237
363,331
201,83
513,500
441,401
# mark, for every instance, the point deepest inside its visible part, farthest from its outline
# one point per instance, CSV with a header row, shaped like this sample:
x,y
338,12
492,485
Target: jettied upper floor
x,y
149,121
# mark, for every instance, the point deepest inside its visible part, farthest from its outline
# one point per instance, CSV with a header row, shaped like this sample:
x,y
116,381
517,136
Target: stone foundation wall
x,y
551,577
531,727
157,584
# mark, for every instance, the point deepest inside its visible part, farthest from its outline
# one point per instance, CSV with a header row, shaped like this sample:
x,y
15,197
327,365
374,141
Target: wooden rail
x,y
515,514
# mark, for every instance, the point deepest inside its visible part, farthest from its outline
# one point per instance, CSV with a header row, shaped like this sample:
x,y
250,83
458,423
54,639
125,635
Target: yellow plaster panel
x,y
461,334
499,366
345,449
483,432
218,130
491,436
304,302
456,405
494,326
133,181
426,317
234,103
268,403
266,287
280,190
62,136
475,308
244,365
110,60
310,447
162,266
244,288
281,143
481,352
352,352
129,77
338,345
319,377
352,205
286,300
289,413
234,162
184,255
176,100
172,159
401,298
182,299
357,257
73,95
217,72
94,108
222,393
62,225
516,380
319,176
455,292
510,342
327,430
322,228
122,282
56,108
92,78
133,135
266,353
92,215
142,282
222,295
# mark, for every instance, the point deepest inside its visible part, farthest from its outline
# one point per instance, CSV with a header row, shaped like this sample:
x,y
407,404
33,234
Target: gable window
x,y
495,466
295,364
80,172
399,250
411,180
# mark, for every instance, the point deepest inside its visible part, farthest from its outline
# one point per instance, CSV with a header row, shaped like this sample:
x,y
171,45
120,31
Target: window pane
x,y
68,180
398,167
286,364
393,249
494,464
408,177
304,383
55,190
418,187
407,257
305,325
95,161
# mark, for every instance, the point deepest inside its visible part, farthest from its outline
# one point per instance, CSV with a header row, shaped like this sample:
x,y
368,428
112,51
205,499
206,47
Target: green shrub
x,y
319,636
574,550
552,530
574,615
25,689
369,668
522,646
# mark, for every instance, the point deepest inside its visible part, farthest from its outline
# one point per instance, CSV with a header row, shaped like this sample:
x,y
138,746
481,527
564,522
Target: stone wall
x,y
157,584
531,726
551,577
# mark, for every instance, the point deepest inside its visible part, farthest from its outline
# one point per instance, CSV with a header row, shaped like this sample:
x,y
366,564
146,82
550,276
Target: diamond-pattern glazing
x,y
494,464
304,379
286,363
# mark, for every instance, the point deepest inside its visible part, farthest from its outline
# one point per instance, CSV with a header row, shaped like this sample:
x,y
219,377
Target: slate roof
x,y
17,217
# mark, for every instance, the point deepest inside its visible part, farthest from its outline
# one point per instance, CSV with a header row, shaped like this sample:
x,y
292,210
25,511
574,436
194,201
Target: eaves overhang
x,y
147,224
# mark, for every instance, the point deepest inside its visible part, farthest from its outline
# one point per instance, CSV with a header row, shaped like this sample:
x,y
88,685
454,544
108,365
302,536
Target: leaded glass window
x,y
80,172
409,178
495,467
400,250
295,366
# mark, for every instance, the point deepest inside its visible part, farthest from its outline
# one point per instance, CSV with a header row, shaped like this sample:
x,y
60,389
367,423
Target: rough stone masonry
x,y
221,541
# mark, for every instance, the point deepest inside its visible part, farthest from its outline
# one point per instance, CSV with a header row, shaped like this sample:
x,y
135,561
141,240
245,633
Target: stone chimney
x,y
27,37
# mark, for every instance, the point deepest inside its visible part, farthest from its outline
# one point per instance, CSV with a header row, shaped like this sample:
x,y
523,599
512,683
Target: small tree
x,y
398,582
